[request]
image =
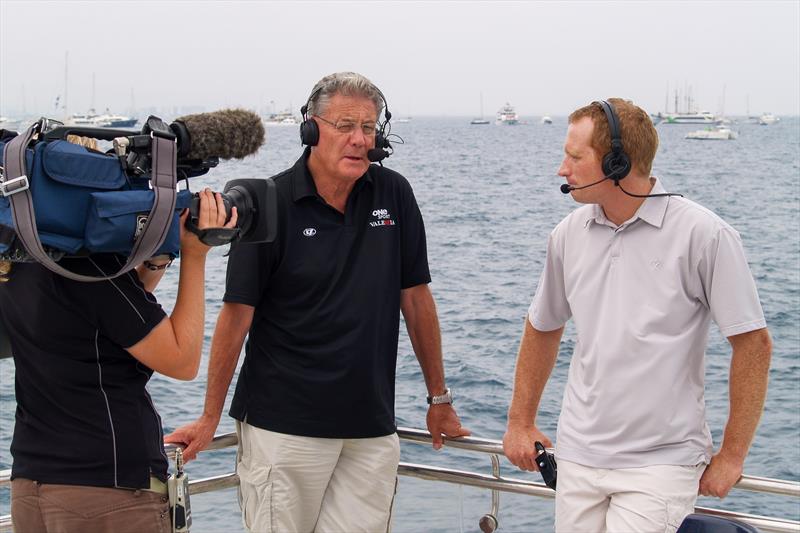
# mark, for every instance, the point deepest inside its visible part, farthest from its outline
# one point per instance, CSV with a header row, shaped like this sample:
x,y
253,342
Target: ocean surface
x,y
489,195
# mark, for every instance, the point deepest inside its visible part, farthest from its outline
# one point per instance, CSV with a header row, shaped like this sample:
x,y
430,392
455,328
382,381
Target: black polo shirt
x,y
321,353
83,415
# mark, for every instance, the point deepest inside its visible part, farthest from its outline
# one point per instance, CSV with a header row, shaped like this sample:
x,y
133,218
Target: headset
x,y
309,129
616,163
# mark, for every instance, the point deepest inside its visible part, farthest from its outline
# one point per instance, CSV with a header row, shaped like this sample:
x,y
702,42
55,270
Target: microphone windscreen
x,y
227,134
565,188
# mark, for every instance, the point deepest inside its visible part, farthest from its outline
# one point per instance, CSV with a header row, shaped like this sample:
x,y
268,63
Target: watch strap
x,y
447,397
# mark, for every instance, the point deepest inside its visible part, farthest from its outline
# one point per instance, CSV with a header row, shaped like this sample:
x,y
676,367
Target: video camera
x,y
90,185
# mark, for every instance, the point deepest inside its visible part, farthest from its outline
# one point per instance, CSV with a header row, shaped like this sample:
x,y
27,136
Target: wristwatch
x,y
447,397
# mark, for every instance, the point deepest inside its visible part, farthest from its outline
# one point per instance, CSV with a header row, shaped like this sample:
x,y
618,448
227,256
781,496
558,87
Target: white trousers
x,y
624,500
293,484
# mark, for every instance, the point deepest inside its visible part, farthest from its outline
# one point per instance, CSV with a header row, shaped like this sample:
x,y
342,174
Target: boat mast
x,y
676,99
66,77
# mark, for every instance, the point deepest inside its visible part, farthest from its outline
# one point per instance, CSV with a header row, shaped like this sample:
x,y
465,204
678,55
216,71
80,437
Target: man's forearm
x,y
422,322
537,356
226,346
748,389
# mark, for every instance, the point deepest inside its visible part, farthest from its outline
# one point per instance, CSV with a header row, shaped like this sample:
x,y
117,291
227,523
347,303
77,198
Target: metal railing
x,y
494,482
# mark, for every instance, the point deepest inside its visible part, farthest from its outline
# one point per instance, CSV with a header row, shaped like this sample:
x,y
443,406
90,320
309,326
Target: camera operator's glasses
x,y
347,127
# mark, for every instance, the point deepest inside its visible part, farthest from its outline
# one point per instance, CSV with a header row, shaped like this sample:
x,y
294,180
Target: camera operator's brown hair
x,y
639,137
5,269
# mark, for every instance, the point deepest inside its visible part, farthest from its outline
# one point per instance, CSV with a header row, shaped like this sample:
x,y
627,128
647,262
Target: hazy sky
x,y
429,58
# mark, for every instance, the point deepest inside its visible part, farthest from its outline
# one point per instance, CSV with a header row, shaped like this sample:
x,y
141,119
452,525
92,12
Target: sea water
x,y
489,196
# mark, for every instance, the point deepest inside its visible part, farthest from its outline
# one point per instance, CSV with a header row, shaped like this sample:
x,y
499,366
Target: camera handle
x,y
212,236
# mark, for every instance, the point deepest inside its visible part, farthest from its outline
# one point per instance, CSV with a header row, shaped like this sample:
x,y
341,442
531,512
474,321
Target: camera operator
x,y
87,445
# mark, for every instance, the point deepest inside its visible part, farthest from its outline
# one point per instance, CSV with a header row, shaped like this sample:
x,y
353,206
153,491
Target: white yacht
x,y
547,120
767,118
284,118
701,117
507,115
83,119
718,133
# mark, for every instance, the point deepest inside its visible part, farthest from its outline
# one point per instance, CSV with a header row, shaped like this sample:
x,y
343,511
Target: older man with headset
x,y
642,273
314,401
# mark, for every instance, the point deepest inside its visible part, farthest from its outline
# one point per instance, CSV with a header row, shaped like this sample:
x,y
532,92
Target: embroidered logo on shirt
x,y
309,232
382,218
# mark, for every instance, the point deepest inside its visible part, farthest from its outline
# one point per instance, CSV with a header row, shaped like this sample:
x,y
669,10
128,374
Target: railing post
x,y
489,522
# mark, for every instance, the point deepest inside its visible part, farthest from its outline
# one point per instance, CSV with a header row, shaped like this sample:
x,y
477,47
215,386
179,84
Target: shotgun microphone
x,y
227,134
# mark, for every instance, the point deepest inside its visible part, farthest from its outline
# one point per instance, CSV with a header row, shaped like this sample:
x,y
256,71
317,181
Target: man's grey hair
x,y
345,84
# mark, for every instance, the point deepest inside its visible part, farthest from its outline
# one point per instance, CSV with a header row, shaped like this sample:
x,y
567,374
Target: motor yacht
x,y
507,115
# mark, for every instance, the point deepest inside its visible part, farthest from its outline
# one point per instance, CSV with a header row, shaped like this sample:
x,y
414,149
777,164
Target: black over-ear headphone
x,y
616,163
309,130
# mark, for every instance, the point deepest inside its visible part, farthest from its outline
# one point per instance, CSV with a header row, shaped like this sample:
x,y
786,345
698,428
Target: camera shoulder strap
x,y
15,186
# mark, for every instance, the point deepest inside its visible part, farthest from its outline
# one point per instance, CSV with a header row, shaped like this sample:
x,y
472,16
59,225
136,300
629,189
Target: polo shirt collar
x,y
651,211
303,183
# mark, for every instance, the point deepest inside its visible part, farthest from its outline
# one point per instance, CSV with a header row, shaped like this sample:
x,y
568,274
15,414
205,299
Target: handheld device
x,y
547,465
178,485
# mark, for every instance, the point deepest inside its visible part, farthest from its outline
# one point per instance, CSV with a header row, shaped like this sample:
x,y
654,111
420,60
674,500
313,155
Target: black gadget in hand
x,y
547,465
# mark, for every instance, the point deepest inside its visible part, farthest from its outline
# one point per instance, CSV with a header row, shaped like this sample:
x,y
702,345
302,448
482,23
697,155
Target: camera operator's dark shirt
x,y
83,415
322,349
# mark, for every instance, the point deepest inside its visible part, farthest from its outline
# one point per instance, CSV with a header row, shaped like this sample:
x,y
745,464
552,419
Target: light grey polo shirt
x,y
642,296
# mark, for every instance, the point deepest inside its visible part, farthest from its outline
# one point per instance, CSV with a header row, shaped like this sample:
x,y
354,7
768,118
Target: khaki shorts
x,y
307,484
650,499
73,508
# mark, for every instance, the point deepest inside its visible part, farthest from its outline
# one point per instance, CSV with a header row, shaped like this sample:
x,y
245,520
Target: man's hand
x,y
193,437
442,419
720,476
518,445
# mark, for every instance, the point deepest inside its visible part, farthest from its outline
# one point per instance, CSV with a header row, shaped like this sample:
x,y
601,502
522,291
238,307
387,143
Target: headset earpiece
x,y
309,132
616,164
309,129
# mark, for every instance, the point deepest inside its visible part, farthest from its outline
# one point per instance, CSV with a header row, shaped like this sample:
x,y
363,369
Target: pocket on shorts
x,y
676,512
255,494
681,507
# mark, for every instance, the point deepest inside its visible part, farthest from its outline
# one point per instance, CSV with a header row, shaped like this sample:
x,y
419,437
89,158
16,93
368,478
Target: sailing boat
x,y
480,120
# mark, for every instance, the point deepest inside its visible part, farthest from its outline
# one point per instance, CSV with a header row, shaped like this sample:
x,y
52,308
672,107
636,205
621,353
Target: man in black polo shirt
x,y
321,304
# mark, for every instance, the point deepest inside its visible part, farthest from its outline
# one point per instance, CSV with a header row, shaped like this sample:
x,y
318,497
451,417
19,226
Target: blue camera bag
x,y
85,203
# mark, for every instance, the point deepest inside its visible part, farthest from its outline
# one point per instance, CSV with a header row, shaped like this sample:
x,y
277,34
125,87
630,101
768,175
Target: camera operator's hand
x,y
193,437
211,215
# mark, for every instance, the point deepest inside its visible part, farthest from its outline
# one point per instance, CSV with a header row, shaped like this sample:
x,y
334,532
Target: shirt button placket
x,y
616,247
